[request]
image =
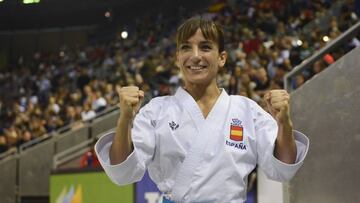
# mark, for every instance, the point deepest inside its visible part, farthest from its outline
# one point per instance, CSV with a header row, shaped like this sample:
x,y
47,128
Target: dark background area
x,y
50,24
14,15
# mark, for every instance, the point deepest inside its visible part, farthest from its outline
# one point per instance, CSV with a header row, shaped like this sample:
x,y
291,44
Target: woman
x,y
200,144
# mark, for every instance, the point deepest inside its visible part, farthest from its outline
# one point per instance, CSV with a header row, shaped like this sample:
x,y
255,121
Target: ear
x,y
222,58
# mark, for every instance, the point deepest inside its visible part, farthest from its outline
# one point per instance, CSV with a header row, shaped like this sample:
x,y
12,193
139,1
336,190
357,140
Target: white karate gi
x,y
192,159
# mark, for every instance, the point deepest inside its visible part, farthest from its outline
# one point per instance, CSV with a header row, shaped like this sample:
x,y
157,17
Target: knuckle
x,y
134,88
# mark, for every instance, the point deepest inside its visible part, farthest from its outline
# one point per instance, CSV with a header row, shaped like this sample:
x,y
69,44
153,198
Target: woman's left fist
x,y
278,104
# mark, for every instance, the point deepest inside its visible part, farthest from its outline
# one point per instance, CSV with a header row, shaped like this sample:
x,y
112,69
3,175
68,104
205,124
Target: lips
x,y
197,67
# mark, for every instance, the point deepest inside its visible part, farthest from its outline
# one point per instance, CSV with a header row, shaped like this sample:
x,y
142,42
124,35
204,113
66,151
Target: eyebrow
x,y
201,42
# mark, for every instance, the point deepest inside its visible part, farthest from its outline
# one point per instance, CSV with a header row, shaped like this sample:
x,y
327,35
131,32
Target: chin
x,y
198,81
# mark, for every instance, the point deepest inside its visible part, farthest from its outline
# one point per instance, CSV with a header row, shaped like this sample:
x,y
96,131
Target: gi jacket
x,y
193,159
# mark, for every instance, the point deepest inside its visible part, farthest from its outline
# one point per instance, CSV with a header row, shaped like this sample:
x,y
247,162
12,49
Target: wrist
x,y
285,129
287,124
125,118
284,120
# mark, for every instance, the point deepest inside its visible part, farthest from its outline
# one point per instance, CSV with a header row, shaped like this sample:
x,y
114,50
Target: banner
x,y
88,187
147,191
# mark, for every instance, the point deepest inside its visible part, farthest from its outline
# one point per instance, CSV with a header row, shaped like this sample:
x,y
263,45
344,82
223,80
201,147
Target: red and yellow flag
x,y
236,133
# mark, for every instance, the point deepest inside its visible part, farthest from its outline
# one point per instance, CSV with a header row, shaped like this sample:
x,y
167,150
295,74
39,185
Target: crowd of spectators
x,y
264,40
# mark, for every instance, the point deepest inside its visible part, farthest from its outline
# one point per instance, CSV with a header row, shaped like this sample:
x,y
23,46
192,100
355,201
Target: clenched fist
x,y
131,98
278,104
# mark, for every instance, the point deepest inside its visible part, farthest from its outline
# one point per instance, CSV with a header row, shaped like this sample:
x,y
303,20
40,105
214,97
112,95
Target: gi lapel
x,y
208,131
189,104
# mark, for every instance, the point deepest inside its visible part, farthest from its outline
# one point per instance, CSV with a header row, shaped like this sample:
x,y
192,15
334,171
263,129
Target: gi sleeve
x,y
143,137
266,132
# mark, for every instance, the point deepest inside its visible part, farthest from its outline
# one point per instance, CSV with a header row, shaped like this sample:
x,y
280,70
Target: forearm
x,y
285,147
122,145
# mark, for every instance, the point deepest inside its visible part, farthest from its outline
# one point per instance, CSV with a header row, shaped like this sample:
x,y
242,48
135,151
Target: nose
x,y
196,55
196,51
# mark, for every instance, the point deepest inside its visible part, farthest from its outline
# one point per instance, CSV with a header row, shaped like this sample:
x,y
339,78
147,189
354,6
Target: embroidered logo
x,y
173,125
236,130
153,123
236,135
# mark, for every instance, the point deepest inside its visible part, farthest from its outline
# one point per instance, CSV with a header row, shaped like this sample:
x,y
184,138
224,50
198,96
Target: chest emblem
x,y
173,125
236,130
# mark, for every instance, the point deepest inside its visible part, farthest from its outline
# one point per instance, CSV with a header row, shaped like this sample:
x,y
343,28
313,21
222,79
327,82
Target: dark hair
x,y
211,31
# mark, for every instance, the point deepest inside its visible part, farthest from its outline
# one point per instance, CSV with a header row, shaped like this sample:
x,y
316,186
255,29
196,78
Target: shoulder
x,y
241,100
248,105
156,104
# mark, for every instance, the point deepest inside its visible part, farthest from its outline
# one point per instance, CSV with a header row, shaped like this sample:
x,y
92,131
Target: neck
x,y
203,92
204,95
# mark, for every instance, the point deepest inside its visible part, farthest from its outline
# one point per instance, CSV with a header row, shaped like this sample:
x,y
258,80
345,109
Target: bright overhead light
x,y
299,42
31,1
107,14
124,34
326,38
296,42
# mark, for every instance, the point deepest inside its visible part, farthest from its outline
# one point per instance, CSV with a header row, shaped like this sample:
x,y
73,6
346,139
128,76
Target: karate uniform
x,y
193,159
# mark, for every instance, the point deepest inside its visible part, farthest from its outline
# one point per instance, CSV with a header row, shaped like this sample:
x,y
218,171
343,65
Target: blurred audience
x,y
264,42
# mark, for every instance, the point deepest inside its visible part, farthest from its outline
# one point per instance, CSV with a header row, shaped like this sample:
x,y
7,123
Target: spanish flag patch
x,y
236,133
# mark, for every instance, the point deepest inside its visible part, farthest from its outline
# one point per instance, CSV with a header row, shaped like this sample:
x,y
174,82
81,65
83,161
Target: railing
x,y
107,111
32,163
35,141
75,151
71,153
307,63
9,152
52,134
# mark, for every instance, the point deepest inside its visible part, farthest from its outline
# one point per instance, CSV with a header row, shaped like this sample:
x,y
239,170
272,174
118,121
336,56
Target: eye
x,y
206,47
185,47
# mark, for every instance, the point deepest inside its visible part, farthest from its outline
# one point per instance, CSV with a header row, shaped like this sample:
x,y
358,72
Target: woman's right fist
x,y
130,98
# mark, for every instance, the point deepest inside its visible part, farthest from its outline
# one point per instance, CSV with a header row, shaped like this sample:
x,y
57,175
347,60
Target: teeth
x,y
196,67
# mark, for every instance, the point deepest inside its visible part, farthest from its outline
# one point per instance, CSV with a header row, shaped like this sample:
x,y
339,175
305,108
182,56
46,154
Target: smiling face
x,y
199,57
